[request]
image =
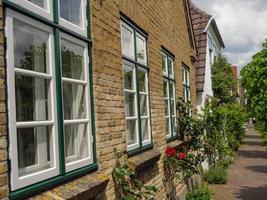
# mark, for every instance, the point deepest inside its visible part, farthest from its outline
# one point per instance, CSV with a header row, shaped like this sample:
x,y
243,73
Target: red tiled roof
x,y
200,20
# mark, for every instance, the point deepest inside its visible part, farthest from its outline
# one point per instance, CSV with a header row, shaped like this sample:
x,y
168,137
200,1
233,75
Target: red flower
x,y
181,156
170,151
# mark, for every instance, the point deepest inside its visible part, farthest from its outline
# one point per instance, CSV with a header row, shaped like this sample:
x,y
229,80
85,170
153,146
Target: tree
x,y
223,83
254,80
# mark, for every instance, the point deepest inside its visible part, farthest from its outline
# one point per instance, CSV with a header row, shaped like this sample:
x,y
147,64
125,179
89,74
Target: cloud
x,y
242,24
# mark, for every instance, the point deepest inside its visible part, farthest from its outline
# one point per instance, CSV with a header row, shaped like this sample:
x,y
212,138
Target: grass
x,y
203,193
264,138
216,175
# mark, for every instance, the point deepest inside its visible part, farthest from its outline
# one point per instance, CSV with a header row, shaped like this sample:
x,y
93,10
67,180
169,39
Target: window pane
x,y
34,150
142,81
129,78
170,66
127,41
71,11
164,62
166,107
32,101
167,125
40,3
165,88
143,105
72,58
171,90
76,142
145,131
141,48
30,47
174,125
173,107
131,132
130,104
74,101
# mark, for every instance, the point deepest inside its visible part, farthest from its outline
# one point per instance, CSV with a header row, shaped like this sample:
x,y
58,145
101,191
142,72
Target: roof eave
x,y
213,23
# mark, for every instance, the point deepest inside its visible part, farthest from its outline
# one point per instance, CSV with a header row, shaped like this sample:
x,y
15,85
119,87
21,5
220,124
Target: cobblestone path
x,y
247,177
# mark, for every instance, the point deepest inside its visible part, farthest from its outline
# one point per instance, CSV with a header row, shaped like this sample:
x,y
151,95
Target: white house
x,y
209,45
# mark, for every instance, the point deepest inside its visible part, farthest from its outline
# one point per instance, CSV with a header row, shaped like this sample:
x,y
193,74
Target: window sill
x,y
85,187
175,143
144,160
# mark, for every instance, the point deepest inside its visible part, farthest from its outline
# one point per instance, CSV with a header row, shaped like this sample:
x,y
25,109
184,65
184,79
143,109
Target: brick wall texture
x,y
3,116
165,23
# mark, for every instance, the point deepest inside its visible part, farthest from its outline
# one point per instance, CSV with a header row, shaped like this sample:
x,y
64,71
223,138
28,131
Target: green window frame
x,y
80,38
186,83
169,94
136,88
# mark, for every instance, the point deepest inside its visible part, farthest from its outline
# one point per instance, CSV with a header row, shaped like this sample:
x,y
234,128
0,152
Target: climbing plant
x,y
128,186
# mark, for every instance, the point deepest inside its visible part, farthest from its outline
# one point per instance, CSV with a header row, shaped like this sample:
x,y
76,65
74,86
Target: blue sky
x,y
243,26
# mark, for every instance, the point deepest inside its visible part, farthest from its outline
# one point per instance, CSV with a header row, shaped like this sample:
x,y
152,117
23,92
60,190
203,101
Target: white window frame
x,y
17,181
186,84
146,93
134,91
77,29
48,14
144,62
170,78
87,121
138,65
131,54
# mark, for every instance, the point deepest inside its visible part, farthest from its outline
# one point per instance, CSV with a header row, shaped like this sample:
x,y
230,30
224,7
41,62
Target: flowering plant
x,y
180,164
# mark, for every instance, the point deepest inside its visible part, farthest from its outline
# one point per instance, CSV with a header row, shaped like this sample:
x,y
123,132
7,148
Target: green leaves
x,y
254,81
223,82
128,187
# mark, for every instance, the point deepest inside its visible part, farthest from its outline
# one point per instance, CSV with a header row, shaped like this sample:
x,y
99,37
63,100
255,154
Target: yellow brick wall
x,y
3,117
165,23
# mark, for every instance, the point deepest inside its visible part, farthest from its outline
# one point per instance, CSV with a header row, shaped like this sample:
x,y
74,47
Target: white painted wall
x,y
216,49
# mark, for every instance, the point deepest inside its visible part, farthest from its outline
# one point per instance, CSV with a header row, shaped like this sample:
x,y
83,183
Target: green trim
x,y
137,94
92,102
63,176
139,150
30,14
50,183
59,103
55,11
88,14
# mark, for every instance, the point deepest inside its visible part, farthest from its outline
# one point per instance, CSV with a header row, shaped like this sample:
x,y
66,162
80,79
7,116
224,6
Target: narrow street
x,y
247,177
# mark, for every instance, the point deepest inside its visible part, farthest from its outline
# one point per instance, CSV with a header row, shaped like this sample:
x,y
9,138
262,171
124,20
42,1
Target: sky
x,y
242,24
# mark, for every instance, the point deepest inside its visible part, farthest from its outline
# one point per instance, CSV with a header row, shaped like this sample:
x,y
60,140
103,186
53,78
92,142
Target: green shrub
x,y
216,175
203,193
225,163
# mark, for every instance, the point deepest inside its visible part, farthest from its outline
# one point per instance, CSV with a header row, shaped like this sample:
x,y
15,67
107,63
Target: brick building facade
x,y
161,29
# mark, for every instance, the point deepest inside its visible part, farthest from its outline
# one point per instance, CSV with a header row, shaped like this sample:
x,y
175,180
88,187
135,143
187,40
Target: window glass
x,y
170,67
142,80
129,78
71,10
74,101
143,105
34,149
40,3
72,56
127,41
164,63
76,142
141,48
30,47
32,100
145,131
130,104
131,131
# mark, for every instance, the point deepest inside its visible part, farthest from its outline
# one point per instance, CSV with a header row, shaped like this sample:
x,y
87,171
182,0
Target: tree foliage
x,y
254,80
223,83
